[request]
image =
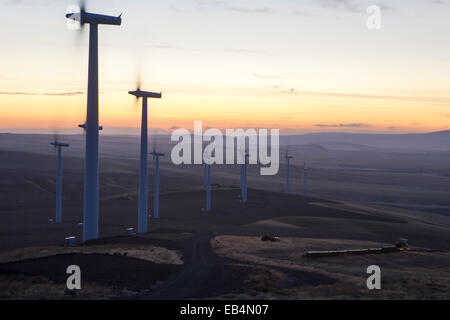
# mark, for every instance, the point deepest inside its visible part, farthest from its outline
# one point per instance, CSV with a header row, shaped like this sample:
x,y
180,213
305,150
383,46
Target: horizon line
x,y
168,133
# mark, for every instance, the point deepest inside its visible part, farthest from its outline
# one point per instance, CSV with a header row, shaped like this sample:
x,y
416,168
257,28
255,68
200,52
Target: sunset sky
x,y
298,65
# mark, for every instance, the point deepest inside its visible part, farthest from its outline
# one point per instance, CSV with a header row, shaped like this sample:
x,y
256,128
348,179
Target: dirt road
x,y
204,274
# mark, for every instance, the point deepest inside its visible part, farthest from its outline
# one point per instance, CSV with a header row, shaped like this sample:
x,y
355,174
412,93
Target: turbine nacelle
x,y
305,168
288,156
57,144
145,94
83,126
92,18
157,154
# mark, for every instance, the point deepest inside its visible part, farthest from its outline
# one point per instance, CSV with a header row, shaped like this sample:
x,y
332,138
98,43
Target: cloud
x,y
166,47
211,3
226,50
73,93
231,50
250,10
225,6
173,128
37,3
322,94
342,125
304,14
175,9
278,75
349,5
441,2
266,76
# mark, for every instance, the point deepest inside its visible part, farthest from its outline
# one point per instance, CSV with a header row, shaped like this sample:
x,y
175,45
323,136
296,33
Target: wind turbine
x,y
288,160
58,146
143,177
244,178
205,174
208,188
91,127
305,176
208,182
156,156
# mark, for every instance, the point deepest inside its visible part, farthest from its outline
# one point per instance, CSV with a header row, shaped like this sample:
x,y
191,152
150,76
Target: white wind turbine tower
x,y
156,156
143,177
288,160
58,146
90,220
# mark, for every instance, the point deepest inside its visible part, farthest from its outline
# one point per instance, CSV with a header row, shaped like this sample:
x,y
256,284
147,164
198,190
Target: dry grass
x,y
405,275
39,288
144,252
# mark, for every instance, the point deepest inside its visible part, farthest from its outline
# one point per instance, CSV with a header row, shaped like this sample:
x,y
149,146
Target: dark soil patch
x,y
117,271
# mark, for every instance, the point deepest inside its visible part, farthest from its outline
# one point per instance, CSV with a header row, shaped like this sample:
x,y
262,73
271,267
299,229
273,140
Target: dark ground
x,y
27,204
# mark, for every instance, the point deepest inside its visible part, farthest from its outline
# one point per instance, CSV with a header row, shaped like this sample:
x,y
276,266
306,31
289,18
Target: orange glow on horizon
x,y
289,112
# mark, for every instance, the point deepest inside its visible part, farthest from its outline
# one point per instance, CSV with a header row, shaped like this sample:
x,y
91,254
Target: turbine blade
x,y
82,5
138,82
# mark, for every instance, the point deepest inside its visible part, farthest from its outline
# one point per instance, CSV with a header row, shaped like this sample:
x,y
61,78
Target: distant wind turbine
x,y
208,182
288,160
90,220
244,178
305,176
143,177
58,146
208,189
156,156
